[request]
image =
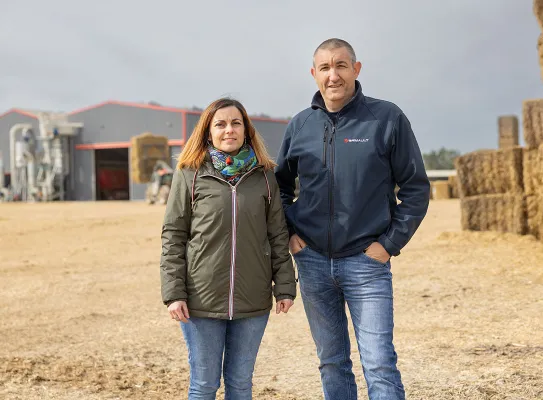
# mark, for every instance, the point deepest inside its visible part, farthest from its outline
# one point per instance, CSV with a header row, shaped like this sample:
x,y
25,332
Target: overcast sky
x,y
453,67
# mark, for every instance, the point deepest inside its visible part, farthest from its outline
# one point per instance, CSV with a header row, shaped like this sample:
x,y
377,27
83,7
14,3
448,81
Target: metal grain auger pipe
x,y
40,175
25,129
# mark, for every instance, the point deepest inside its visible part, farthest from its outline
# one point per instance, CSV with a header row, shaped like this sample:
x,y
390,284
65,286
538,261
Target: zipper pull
x,y
333,133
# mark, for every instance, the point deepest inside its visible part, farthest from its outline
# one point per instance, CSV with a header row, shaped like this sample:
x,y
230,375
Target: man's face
x,y
335,75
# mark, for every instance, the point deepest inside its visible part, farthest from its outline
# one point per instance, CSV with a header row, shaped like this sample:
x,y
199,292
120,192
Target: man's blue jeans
x,y
366,285
207,340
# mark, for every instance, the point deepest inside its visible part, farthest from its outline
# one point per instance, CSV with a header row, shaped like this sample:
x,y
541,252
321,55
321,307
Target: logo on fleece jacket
x,y
356,140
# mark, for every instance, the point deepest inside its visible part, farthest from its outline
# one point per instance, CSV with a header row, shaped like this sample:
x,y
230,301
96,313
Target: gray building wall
x,y
115,123
118,123
6,122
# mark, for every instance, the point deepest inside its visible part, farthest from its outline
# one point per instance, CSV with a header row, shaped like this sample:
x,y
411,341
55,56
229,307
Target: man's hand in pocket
x,y
377,252
296,244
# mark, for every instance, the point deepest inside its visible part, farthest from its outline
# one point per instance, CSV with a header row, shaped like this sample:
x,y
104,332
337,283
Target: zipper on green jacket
x,y
234,234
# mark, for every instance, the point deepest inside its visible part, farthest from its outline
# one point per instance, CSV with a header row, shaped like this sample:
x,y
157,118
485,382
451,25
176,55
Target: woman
x,y
224,241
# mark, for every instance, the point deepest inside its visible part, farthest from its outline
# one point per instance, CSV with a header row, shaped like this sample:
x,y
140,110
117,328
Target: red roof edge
x,y
22,112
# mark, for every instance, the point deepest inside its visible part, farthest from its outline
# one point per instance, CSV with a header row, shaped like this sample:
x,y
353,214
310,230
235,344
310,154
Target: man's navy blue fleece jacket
x,y
348,164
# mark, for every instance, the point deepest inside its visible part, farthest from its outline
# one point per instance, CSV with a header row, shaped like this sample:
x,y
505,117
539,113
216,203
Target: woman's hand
x,y
179,311
283,305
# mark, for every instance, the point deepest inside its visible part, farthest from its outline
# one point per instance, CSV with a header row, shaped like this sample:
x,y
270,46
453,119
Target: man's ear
x,y
357,67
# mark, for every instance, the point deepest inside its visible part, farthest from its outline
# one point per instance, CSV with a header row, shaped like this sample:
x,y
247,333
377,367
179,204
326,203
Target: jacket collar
x,y
207,167
318,102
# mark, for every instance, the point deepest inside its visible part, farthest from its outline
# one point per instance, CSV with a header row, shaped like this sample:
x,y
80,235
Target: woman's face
x,y
227,130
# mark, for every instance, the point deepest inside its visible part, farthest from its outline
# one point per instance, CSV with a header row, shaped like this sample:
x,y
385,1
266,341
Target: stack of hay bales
x,y
501,190
491,190
508,131
146,150
532,123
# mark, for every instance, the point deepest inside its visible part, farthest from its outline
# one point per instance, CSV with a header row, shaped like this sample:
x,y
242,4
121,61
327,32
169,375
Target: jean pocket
x,y
304,249
373,260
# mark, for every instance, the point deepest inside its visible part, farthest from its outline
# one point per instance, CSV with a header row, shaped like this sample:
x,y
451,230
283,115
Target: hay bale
x,y
490,172
533,216
505,143
440,190
532,122
453,187
537,171
540,53
507,131
497,212
538,12
530,170
146,150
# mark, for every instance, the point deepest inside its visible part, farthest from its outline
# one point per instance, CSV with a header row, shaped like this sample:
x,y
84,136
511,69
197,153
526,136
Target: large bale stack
x,y
533,190
508,131
532,122
146,150
491,189
494,212
490,172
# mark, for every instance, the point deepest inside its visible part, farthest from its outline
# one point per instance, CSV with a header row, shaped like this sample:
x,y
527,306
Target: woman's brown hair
x,y
195,149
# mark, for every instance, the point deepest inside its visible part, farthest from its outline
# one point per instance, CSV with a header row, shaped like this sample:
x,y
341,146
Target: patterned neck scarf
x,y
233,167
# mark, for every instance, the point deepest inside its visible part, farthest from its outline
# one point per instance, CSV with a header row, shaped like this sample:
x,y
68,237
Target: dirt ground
x,y
81,316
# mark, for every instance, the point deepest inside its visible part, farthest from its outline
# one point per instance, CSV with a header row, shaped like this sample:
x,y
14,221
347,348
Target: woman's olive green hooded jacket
x,y
223,246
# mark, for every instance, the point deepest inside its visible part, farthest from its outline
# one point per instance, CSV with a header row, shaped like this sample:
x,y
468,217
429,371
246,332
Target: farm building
x,y
99,153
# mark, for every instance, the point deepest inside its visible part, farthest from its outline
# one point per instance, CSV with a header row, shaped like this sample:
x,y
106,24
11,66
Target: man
x,y
349,152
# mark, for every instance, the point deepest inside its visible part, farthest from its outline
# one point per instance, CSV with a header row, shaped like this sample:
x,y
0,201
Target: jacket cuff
x,y
389,246
167,303
291,231
284,297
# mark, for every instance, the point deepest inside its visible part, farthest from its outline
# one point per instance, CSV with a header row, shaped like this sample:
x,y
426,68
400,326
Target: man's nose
x,y
333,76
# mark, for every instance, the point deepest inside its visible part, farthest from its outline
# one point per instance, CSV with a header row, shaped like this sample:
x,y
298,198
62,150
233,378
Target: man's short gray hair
x,y
335,43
